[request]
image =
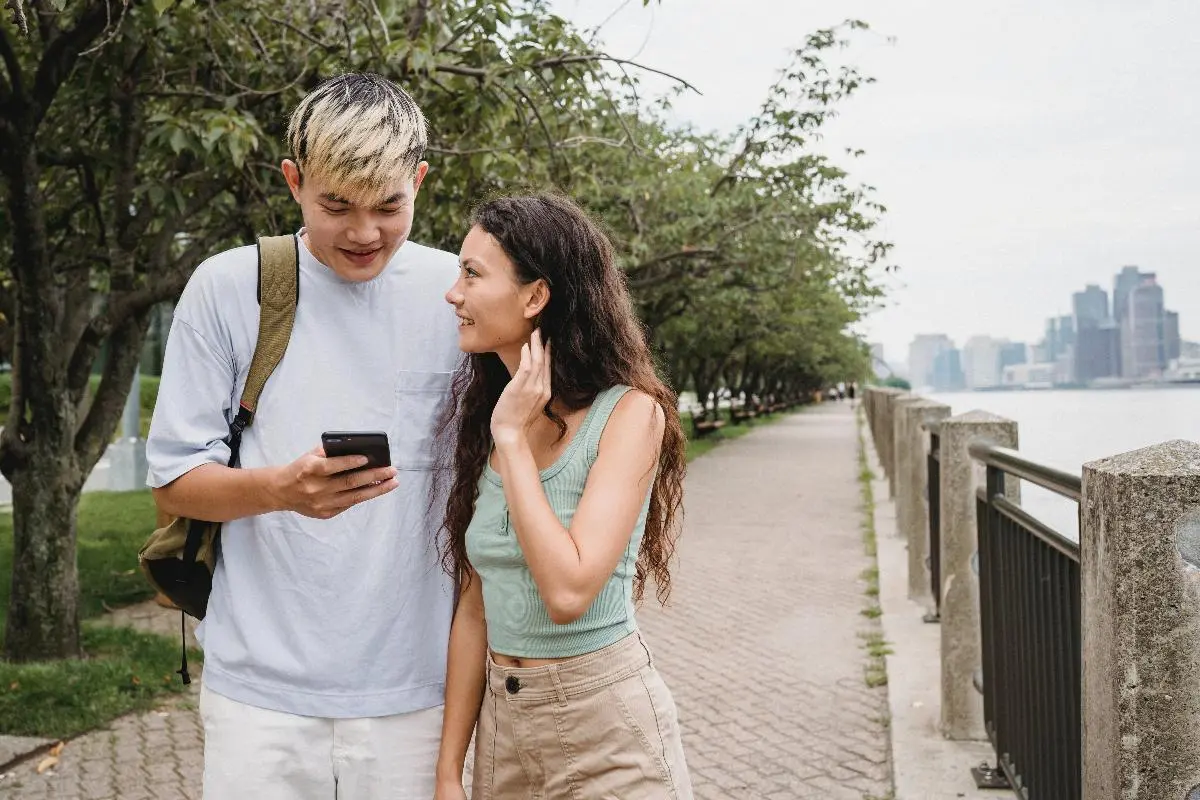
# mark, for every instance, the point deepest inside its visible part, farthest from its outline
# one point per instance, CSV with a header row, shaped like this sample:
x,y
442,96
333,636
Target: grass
x,y
877,648
123,670
113,526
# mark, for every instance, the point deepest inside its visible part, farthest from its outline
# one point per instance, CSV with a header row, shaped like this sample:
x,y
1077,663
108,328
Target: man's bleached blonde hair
x,y
359,134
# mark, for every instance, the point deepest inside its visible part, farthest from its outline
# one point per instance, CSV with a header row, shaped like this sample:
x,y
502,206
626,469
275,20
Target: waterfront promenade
x,y
764,643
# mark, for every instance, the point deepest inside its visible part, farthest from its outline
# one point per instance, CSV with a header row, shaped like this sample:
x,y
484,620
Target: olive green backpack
x,y
179,558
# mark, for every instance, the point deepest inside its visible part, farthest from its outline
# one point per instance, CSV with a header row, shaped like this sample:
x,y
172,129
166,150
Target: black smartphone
x,y
372,444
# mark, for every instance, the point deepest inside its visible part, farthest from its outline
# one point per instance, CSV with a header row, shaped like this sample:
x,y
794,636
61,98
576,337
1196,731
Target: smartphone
x,y
372,444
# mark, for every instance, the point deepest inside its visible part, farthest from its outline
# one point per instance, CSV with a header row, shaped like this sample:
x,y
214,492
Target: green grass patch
x,y
113,526
875,672
124,671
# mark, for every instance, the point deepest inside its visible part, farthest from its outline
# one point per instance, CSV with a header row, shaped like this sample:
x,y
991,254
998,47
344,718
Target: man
x,y
326,631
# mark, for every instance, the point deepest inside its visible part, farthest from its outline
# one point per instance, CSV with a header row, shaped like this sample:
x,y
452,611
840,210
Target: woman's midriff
x,y
515,661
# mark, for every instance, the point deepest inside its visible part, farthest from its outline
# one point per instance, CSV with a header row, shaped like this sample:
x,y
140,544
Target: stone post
x,y
878,397
912,508
887,437
962,705
1140,581
900,455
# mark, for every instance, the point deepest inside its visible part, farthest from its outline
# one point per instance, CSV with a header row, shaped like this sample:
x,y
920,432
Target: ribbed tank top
x,y
517,621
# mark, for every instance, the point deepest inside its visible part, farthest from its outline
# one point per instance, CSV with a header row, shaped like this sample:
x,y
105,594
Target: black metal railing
x,y
934,494
1029,613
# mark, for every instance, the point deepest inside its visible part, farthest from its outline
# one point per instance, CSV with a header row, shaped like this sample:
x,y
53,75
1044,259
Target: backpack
x,y
179,558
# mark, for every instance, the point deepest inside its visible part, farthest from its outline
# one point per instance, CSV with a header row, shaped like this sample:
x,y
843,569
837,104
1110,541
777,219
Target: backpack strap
x,y
278,294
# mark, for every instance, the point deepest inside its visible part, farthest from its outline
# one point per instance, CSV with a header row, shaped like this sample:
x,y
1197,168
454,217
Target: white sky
x,y
1023,149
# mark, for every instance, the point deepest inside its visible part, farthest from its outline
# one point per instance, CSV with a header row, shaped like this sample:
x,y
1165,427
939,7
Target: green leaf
x,y
160,6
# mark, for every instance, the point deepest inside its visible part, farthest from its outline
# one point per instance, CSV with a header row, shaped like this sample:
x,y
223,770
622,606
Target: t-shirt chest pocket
x,y
419,402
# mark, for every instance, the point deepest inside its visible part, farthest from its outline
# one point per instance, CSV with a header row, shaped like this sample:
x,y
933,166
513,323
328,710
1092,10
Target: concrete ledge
x,y
926,766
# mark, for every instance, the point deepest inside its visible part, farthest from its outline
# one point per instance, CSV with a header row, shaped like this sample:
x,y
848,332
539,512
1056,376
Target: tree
x,y
138,137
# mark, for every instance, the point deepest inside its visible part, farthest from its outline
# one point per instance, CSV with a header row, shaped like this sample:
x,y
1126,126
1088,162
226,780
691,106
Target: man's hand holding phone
x,y
323,484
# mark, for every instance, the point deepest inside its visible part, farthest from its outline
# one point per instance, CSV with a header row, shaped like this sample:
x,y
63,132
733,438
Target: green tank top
x,y
517,621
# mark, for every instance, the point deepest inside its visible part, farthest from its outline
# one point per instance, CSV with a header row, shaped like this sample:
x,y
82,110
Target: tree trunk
x,y
43,620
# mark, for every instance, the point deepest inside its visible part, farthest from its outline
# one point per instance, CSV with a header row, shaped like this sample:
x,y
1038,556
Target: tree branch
x,y
14,87
456,69
699,252
124,353
63,51
18,15
594,57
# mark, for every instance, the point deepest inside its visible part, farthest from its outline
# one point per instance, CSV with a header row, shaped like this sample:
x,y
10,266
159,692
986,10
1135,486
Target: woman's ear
x,y
539,298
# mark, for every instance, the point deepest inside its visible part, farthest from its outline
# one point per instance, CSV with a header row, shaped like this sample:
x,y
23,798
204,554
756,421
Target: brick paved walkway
x,y
762,643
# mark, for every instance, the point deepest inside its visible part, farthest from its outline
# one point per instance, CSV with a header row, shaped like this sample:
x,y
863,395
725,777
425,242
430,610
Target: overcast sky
x,y
1023,149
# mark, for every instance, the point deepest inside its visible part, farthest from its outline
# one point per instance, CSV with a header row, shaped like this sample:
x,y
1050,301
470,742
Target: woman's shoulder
x,y
626,411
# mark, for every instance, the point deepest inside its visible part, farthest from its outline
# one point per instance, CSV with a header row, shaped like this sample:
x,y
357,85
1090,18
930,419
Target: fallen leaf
x,y
49,762
12,687
56,751
137,681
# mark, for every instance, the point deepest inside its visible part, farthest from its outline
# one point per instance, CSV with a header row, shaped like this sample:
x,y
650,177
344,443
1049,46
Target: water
x,y
1066,429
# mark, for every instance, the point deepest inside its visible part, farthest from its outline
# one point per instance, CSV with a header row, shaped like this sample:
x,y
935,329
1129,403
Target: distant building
x,y
1171,341
1184,369
1126,281
922,355
981,362
1189,350
1097,352
1013,353
1035,376
1090,307
947,372
1143,322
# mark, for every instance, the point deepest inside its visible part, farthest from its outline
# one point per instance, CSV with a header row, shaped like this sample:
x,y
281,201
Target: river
x,y
1066,429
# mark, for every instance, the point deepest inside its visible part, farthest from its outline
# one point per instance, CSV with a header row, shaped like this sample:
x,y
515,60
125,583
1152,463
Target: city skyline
x,y
1136,337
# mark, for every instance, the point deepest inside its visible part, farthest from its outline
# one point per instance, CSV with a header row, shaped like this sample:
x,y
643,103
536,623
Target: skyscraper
x,y
1143,343
1126,281
1173,344
922,353
1090,307
947,371
981,362
1097,342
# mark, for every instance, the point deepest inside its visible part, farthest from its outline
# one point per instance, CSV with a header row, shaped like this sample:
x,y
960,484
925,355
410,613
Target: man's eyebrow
x,y
396,198
335,198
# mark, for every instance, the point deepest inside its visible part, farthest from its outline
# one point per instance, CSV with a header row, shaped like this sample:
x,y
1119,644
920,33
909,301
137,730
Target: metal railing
x,y
934,558
1029,597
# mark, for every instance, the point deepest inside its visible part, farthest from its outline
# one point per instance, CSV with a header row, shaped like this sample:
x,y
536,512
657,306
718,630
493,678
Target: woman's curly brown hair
x,y
598,343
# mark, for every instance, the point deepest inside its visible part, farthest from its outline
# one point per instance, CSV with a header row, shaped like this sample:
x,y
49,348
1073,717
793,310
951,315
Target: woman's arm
x,y
465,680
570,567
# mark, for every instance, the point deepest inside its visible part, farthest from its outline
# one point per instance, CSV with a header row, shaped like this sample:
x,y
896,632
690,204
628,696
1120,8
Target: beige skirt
x,y
601,726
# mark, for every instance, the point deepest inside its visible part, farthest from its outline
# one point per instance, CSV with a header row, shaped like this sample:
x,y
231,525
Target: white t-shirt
x,y
347,617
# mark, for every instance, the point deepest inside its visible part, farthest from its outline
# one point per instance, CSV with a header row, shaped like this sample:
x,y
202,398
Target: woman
x,y
568,475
